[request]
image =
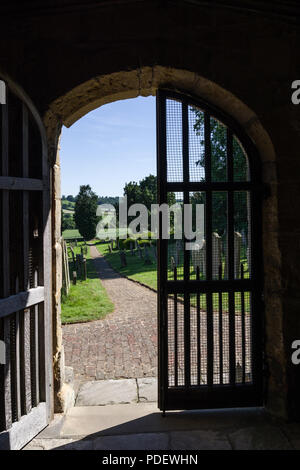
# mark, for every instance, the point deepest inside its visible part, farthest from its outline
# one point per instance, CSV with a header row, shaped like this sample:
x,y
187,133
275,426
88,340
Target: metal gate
x,y
25,272
210,307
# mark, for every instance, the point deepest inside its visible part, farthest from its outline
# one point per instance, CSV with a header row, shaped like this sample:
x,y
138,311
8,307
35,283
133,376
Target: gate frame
x,y
206,397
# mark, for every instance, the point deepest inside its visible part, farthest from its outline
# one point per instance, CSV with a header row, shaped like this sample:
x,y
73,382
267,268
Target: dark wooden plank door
x,y
209,302
25,272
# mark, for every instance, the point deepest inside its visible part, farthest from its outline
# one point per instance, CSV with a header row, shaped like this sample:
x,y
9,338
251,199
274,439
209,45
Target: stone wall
x,y
72,59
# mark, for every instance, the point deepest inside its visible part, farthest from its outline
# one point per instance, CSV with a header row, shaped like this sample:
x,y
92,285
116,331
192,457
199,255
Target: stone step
x,y
115,392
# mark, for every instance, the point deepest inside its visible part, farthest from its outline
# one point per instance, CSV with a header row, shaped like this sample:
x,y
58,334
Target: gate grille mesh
x,y
209,332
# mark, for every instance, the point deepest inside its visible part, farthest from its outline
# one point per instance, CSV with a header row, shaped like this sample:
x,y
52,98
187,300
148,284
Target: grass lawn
x,y
87,300
135,269
147,274
71,234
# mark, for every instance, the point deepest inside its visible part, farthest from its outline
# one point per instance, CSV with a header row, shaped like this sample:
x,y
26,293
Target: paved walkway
x,y
124,344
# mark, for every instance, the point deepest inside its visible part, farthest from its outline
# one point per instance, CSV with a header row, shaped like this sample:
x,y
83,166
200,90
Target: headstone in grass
x,y
79,263
123,259
178,252
74,278
199,258
73,258
216,254
84,271
147,257
237,256
173,263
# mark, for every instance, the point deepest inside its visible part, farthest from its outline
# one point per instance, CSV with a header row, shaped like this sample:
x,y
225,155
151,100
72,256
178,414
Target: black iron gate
x,y
210,308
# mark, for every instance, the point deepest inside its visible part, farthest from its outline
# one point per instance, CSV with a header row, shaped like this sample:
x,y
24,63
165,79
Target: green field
x,y
68,205
136,268
72,234
87,300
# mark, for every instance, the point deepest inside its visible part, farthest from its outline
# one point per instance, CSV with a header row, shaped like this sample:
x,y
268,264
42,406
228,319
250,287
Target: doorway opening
x,y
209,276
109,301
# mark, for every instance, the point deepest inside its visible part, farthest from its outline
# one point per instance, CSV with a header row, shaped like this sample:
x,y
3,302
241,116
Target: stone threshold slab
x,y
115,392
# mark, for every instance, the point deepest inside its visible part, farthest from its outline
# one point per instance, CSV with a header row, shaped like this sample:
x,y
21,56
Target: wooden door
x,y
25,272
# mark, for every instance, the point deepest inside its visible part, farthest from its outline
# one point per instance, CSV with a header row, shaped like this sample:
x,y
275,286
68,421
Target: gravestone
x,y
84,270
199,258
236,258
147,257
216,254
237,254
79,263
123,259
173,264
178,251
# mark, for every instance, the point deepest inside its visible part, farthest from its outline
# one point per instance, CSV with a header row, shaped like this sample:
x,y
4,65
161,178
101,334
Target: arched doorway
x,y
93,94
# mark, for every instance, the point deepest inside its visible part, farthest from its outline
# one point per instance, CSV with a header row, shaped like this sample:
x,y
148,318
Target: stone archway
x,y
145,81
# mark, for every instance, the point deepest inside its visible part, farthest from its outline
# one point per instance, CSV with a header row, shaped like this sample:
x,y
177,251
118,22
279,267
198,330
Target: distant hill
x,y
108,200
68,202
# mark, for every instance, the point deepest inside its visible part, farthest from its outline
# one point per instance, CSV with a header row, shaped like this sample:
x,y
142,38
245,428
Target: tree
x,y
67,221
85,212
219,173
145,192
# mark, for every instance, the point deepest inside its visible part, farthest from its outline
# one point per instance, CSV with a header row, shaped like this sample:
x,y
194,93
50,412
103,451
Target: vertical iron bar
x,y
210,338
175,332
198,330
243,328
186,198
232,358
220,328
208,198
161,141
208,247
230,256
230,207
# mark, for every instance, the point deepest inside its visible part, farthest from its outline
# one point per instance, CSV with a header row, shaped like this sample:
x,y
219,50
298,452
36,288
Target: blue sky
x,y
110,146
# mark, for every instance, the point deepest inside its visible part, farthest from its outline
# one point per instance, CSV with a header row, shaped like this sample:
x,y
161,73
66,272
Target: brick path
x,y
124,344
